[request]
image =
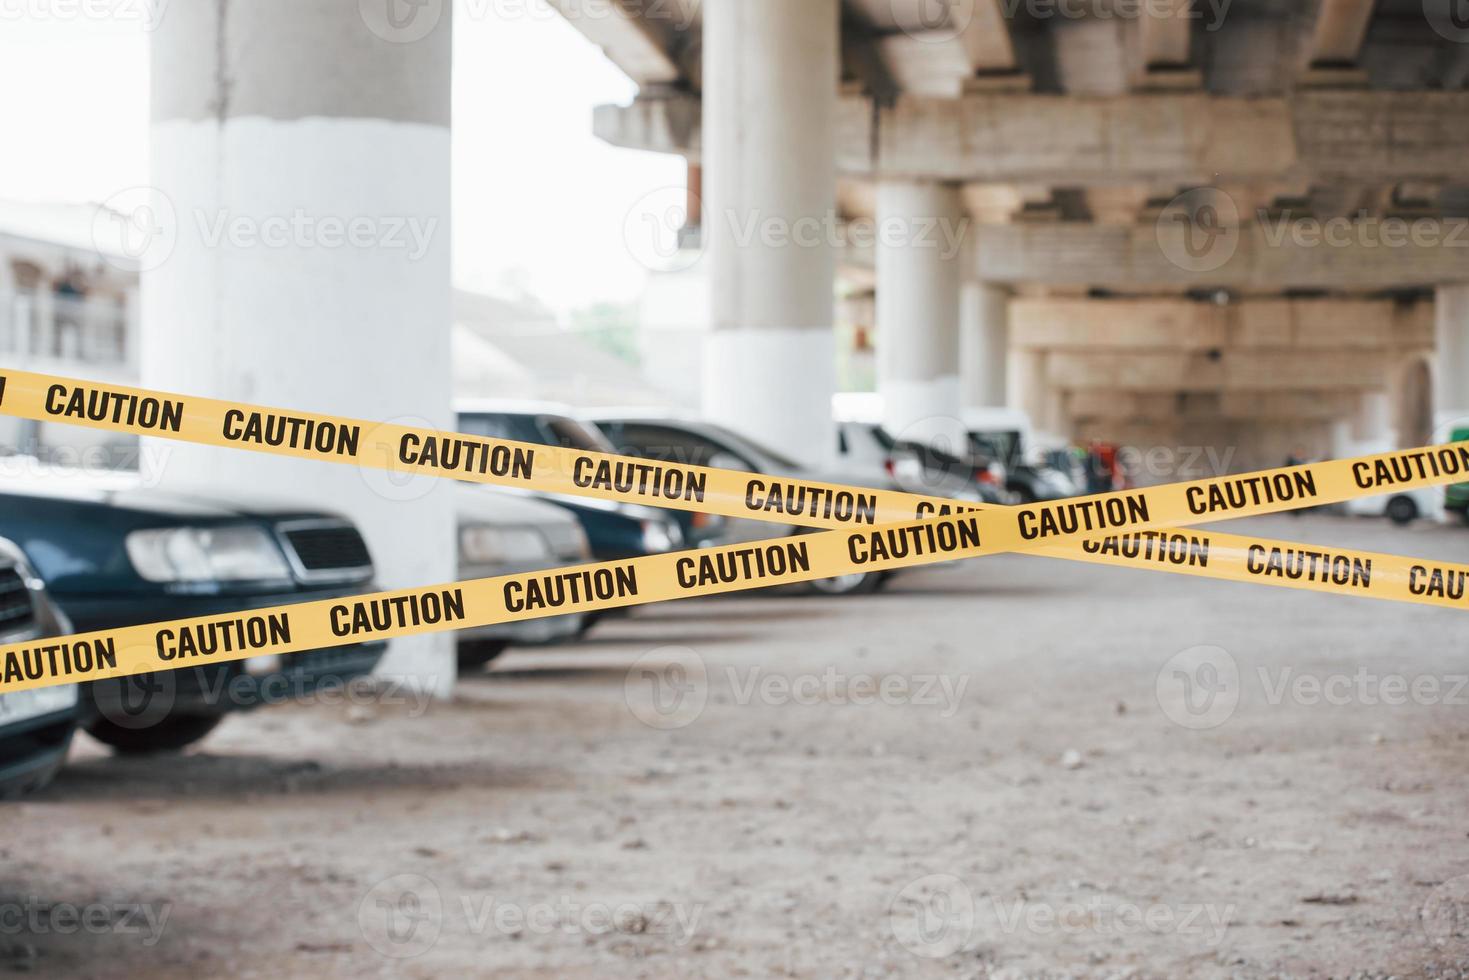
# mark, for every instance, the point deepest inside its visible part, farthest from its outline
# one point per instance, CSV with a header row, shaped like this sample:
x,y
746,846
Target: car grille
x,y
15,601
326,551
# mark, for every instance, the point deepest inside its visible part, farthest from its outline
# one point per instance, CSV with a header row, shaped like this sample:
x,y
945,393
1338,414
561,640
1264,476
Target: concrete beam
x,y
1255,257
1120,325
1341,26
1240,370
1165,137
630,36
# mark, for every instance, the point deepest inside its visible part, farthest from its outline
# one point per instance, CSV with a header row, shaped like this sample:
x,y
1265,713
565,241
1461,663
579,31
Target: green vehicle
x,y
1456,497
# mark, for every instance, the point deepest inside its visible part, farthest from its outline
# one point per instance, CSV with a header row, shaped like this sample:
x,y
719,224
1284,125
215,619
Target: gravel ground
x,y
714,789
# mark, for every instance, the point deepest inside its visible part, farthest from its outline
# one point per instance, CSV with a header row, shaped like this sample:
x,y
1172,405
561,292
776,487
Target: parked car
x,y
1402,507
35,726
615,531
501,533
1456,496
1031,473
114,553
697,443
916,467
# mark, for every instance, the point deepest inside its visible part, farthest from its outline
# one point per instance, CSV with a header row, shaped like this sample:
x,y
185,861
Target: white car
x,y
501,533
1401,507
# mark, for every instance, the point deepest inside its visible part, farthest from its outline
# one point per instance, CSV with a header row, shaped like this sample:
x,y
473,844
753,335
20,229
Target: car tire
x,y
860,583
172,733
1027,497
1464,516
474,654
1402,510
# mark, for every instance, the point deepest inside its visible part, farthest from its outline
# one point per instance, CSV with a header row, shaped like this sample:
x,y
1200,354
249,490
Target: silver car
x,y
35,726
503,533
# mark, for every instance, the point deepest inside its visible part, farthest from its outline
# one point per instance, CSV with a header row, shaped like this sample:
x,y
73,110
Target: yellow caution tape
x,y
880,531
807,503
383,615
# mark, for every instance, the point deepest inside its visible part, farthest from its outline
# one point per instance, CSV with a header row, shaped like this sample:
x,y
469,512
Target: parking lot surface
x,y
1014,767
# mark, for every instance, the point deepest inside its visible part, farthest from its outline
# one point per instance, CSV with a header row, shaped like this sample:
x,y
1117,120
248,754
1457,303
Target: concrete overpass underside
x,y
1175,223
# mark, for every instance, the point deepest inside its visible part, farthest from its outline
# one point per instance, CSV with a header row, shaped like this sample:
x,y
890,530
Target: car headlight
x,y
660,536
484,544
206,554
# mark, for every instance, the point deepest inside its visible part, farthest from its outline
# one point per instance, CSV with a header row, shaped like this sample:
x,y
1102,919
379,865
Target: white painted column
x,y
770,100
984,345
918,280
1451,359
302,155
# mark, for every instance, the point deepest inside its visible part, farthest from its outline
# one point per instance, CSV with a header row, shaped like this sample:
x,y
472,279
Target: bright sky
x,y
537,200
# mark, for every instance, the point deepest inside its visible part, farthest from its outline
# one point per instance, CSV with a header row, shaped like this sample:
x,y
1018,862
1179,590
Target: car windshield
x,y
571,434
752,448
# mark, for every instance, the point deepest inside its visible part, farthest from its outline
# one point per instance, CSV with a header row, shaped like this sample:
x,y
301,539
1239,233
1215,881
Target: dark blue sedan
x,y
114,553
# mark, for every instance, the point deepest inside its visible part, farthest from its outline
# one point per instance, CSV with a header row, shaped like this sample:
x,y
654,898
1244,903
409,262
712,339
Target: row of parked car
x,y
97,550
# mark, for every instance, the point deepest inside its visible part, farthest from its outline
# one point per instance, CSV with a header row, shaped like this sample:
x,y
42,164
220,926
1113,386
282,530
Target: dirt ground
x,y
1013,768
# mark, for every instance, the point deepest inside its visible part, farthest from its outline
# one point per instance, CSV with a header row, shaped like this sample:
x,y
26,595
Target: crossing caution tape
x,y
873,530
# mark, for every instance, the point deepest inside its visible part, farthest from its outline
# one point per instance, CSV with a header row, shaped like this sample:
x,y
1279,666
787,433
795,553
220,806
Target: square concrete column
x,y
984,345
297,255
919,272
1451,359
770,99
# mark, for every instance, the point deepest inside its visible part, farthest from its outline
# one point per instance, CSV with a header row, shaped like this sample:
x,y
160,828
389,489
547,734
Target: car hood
x,y
474,504
129,491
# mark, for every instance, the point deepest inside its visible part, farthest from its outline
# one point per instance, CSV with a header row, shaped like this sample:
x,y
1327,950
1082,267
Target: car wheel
x,y
1464,516
477,653
1026,495
171,734
858,583
1402,510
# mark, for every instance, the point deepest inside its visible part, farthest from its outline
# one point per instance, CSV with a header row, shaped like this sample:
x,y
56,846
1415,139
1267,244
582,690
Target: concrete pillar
x,y
769,156
918,280
302,154
984,345
1031,390
1451,361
